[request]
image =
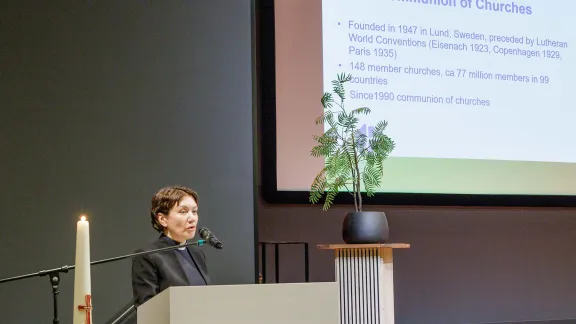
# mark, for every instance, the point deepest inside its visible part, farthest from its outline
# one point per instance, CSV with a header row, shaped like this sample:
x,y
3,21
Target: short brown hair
x,y
165,199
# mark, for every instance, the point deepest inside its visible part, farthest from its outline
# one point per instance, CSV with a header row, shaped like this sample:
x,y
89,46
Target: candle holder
x,y
54,274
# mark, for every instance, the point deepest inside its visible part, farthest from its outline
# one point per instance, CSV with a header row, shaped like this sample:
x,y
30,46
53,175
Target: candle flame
x,y
83,218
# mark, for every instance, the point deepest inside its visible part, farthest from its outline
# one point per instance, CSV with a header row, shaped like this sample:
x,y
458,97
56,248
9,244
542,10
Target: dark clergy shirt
x,y
190,267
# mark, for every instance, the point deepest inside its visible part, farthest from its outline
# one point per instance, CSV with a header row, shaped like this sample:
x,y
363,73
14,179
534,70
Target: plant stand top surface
x,y
363,246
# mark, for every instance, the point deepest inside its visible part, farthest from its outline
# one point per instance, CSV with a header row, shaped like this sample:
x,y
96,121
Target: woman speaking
x,y
174,214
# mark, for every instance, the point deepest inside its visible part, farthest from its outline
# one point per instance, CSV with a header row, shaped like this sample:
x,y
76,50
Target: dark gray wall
x,y
101,105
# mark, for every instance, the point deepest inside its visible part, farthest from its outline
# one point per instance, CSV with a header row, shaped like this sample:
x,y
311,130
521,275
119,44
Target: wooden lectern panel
x,y
365,276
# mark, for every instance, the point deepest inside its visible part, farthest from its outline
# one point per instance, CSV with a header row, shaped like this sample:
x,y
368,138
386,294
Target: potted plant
x,y
353,163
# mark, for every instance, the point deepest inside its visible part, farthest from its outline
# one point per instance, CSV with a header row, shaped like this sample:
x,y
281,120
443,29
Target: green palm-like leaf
x,y
333,191
347,121
361,141
338,88
323,119
331,122
343,77
360,111
351,159
327,100
318,187
371,179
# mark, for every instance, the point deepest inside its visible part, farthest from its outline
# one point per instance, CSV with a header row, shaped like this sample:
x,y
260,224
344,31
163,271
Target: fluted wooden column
x,y
365,274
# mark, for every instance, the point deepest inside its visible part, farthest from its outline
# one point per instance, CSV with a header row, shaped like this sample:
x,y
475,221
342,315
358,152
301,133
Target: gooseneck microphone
x,y
207,236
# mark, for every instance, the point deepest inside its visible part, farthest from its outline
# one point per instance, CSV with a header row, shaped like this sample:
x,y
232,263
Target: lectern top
x,y
363,246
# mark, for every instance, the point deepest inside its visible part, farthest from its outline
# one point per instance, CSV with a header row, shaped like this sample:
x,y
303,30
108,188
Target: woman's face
x,y
180,223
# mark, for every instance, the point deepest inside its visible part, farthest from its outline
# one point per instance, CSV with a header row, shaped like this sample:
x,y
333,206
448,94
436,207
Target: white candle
x,y
82,280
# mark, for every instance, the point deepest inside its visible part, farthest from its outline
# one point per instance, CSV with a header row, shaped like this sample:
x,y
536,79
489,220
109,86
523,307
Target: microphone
x,y
207,236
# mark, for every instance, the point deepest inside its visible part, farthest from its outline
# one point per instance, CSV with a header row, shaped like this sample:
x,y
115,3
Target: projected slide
x,y
471,79
478,94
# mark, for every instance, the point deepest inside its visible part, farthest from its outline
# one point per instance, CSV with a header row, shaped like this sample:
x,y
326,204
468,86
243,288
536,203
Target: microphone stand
x,y
54,274
124,314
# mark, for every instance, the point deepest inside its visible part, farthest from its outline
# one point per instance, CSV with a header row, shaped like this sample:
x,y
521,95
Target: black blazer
x,y
154,272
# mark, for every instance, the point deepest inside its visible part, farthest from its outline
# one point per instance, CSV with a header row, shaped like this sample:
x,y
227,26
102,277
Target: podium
x,y
287,303
365,276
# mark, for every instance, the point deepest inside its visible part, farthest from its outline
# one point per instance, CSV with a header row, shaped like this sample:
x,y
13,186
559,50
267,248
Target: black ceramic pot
x,y
365,227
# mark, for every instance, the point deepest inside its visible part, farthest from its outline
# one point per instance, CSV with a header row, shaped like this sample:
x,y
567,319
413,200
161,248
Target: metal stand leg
x,y
276,245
